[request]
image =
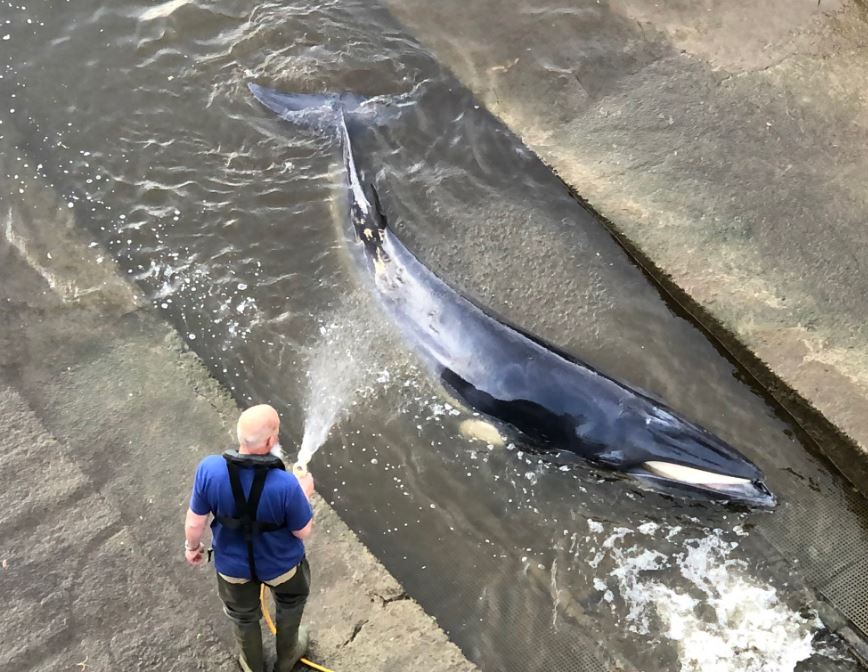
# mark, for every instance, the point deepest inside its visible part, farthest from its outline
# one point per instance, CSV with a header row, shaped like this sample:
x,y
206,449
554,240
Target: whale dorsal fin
x,y
380,215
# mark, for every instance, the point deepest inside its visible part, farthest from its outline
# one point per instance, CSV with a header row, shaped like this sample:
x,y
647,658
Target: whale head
x,y
671,454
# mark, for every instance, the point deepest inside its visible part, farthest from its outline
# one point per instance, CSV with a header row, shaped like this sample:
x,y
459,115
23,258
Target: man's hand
x,y
196,557
305,480
194,549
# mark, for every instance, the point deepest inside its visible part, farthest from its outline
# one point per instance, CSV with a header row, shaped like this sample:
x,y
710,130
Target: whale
x,y
551,399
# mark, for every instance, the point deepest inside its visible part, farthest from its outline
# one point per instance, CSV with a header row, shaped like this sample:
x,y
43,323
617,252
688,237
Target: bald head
x,y
257,429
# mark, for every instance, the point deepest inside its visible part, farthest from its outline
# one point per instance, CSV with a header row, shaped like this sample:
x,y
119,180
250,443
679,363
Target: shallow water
x,y
231,221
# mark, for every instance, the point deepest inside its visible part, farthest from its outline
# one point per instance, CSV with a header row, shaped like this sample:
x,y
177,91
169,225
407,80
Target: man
x,y
262,514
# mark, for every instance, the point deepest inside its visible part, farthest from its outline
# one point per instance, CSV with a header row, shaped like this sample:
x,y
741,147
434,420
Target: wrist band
x,y
198,546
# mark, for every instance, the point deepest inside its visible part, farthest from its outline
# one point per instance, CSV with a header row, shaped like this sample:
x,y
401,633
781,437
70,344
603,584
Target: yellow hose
x,y
266,614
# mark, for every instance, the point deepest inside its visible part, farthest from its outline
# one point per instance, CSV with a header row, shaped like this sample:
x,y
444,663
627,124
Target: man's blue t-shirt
x,y
282,500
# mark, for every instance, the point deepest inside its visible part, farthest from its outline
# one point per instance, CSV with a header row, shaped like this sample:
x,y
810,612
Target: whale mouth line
x,y
692,475
664,476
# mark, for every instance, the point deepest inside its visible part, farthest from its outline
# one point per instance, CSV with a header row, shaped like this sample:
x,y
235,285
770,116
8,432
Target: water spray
x,y
316,431
301,462
342,363
335,372
299,468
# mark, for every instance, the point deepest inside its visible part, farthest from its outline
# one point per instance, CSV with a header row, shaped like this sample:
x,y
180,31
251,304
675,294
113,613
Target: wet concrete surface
x,y
725,143
105,414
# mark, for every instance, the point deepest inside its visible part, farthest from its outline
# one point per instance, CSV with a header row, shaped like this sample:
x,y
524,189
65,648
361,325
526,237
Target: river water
x,y
230,220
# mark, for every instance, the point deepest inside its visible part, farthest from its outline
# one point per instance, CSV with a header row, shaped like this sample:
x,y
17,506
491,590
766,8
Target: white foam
x,y
594,526
648,528
743,626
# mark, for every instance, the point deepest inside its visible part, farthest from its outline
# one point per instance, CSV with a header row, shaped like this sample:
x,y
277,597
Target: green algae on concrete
x,y
725,142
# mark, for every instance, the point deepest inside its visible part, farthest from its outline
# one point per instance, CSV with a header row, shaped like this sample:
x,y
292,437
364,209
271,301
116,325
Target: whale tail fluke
x,y
322,111
319,111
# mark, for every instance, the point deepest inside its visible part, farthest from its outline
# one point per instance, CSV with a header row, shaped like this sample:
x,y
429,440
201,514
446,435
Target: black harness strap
x,y
245,507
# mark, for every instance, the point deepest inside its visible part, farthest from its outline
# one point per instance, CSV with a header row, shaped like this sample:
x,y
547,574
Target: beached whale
x,y
550,397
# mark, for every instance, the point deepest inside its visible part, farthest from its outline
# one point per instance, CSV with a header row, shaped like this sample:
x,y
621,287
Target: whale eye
x,y
678,472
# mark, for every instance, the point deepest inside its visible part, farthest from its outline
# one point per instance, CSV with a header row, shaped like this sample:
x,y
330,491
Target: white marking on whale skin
x,y
678,472
480,430
381,274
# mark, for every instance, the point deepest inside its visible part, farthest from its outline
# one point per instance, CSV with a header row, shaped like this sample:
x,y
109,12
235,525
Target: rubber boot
x,y
249,639
291,643
290,598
